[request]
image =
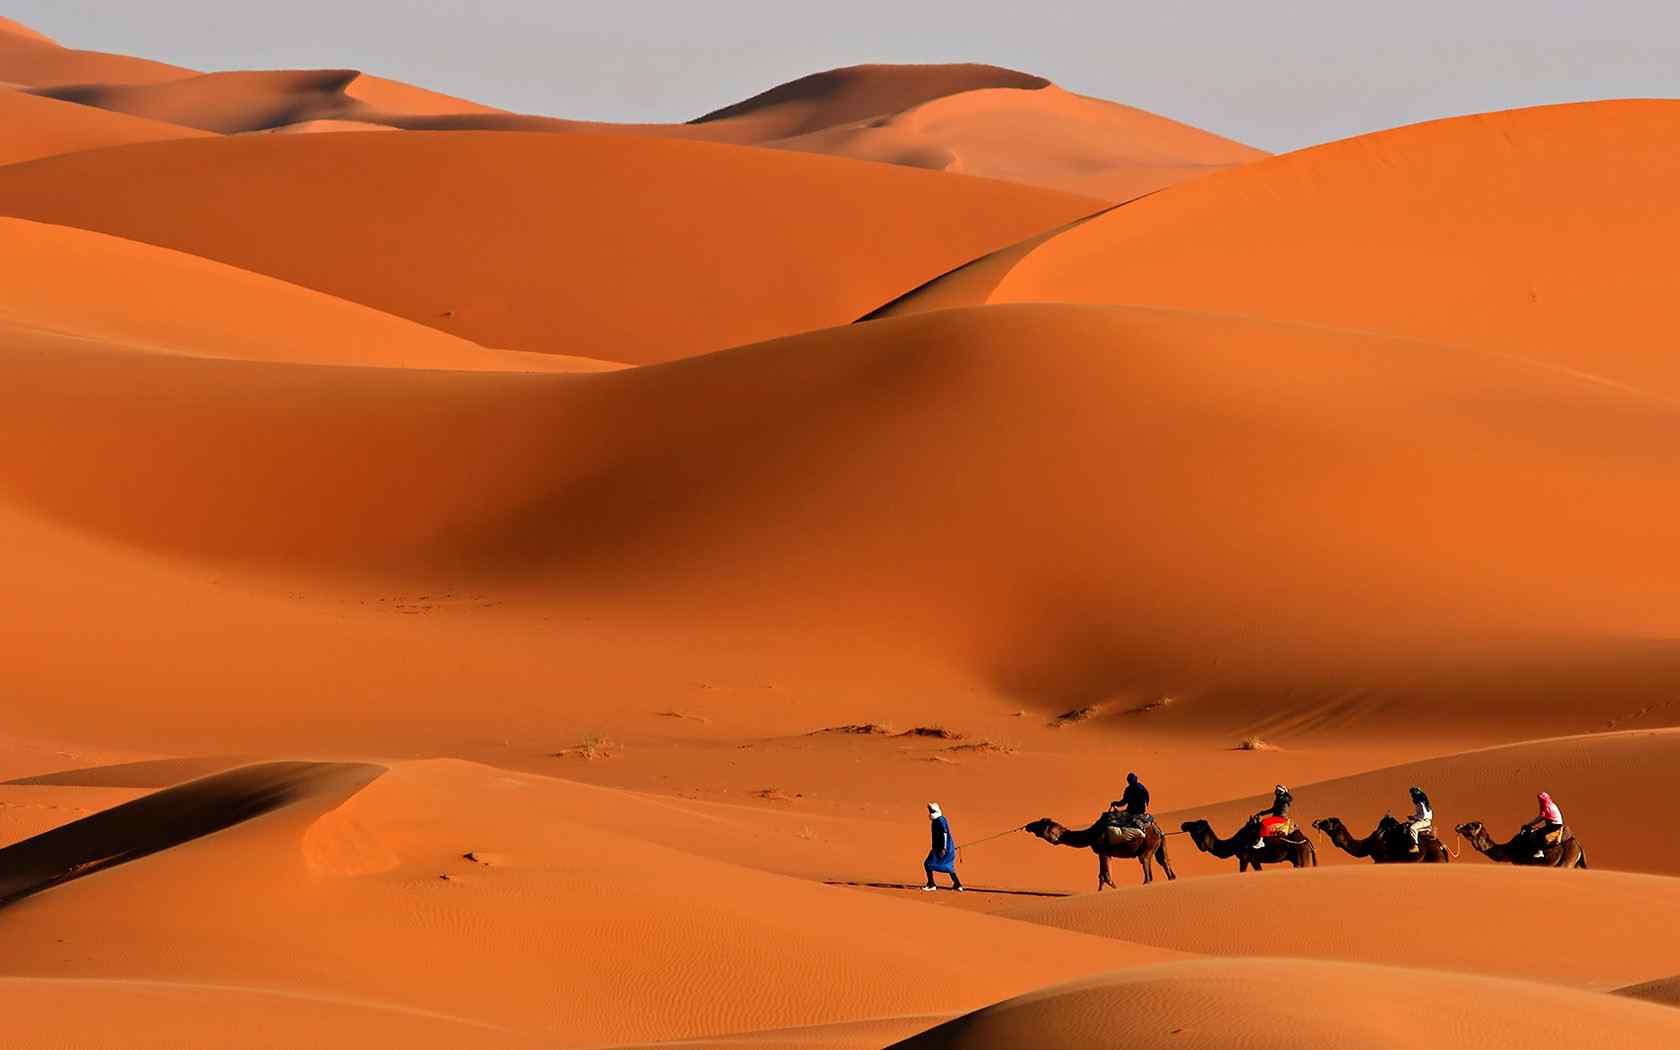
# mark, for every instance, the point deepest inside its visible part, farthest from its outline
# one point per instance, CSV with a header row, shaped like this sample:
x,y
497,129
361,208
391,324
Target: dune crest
x,y
1552,246
15,34
621,248
1210,1005
32,127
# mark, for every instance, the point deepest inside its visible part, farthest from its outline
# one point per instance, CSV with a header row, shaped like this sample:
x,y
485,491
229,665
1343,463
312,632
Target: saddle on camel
x,y
1126,831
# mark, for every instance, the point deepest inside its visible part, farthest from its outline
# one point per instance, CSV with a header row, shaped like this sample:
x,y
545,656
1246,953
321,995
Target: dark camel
x,y
1389,844
1294,847
1520,850
1108,842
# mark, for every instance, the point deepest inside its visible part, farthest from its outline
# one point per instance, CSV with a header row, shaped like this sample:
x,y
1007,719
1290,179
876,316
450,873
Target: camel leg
x,y
1145,862
1102,873
1166,865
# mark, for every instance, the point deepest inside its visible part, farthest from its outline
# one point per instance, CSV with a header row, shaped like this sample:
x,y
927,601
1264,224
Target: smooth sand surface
x,y
554,243
473,587
1273,1003
1504,231
259,100
71,284
545,923
32,127
1589,929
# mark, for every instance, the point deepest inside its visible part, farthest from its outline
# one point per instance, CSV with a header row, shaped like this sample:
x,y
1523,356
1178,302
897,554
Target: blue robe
x,y
943,854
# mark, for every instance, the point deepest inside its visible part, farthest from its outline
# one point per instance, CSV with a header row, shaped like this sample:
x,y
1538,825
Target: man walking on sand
x,y
942,856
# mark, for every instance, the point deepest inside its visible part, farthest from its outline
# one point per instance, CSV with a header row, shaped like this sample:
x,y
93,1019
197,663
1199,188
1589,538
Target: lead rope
x,y
988,838
1459,835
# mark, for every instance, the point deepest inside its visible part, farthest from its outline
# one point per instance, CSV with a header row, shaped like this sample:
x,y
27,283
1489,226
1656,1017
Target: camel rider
x,y
1545,825
1274,820
1132,808
942,852
1422,818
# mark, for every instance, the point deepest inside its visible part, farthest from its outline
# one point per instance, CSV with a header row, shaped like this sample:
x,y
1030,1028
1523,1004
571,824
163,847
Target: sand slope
x,y
16,34
28,63
1040,136
951,525
1612,787
1269,1003
622,248
547,923
108,291
1508,231
42,127
1584,928
261,100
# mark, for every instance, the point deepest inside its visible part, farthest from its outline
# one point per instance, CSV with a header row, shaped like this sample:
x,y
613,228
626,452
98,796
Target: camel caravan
x,y
1271,836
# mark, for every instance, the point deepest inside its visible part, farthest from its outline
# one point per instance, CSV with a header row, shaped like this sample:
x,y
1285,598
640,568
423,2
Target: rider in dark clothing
x,y
1131,809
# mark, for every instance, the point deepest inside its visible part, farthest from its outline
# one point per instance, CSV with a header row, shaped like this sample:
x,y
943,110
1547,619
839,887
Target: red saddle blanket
x,y
1272,827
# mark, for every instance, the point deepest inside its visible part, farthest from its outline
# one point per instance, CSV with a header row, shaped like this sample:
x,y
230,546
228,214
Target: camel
x,y
1108,842
1566,854
1389,844
1294,847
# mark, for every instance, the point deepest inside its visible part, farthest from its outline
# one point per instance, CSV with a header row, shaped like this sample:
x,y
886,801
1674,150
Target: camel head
x,y
1329,825
1471,830
1046,829
1200,831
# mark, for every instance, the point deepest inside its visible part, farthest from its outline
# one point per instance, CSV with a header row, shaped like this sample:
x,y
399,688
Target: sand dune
x,y
260,100
150,1015
855,93
1551,246
563,244
1040,137
43,127
1272,597
224,102
1582,928
531,934
1271,1003
65,282
23,60
1614,786
163,819
16,34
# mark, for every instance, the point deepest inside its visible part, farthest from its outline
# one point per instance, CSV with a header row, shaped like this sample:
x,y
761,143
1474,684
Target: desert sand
x,y
490,579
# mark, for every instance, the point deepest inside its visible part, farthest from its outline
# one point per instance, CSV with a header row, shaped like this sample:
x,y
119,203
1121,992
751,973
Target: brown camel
x,y
1294,847
1520,850
1389,844
1106,842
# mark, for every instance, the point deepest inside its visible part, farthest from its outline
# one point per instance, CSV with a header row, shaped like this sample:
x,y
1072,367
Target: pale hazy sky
x,y
1277,75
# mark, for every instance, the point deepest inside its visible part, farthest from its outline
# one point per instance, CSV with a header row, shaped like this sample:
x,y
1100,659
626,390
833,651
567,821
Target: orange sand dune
x,y
224,102
1614,789
64,282
1041,137
980,120
156,1015
1664,990
545,923
855,93
572,244
1584,928
1272,524
16,34
1512,231
24,61
42,127
1274,1004
259,100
